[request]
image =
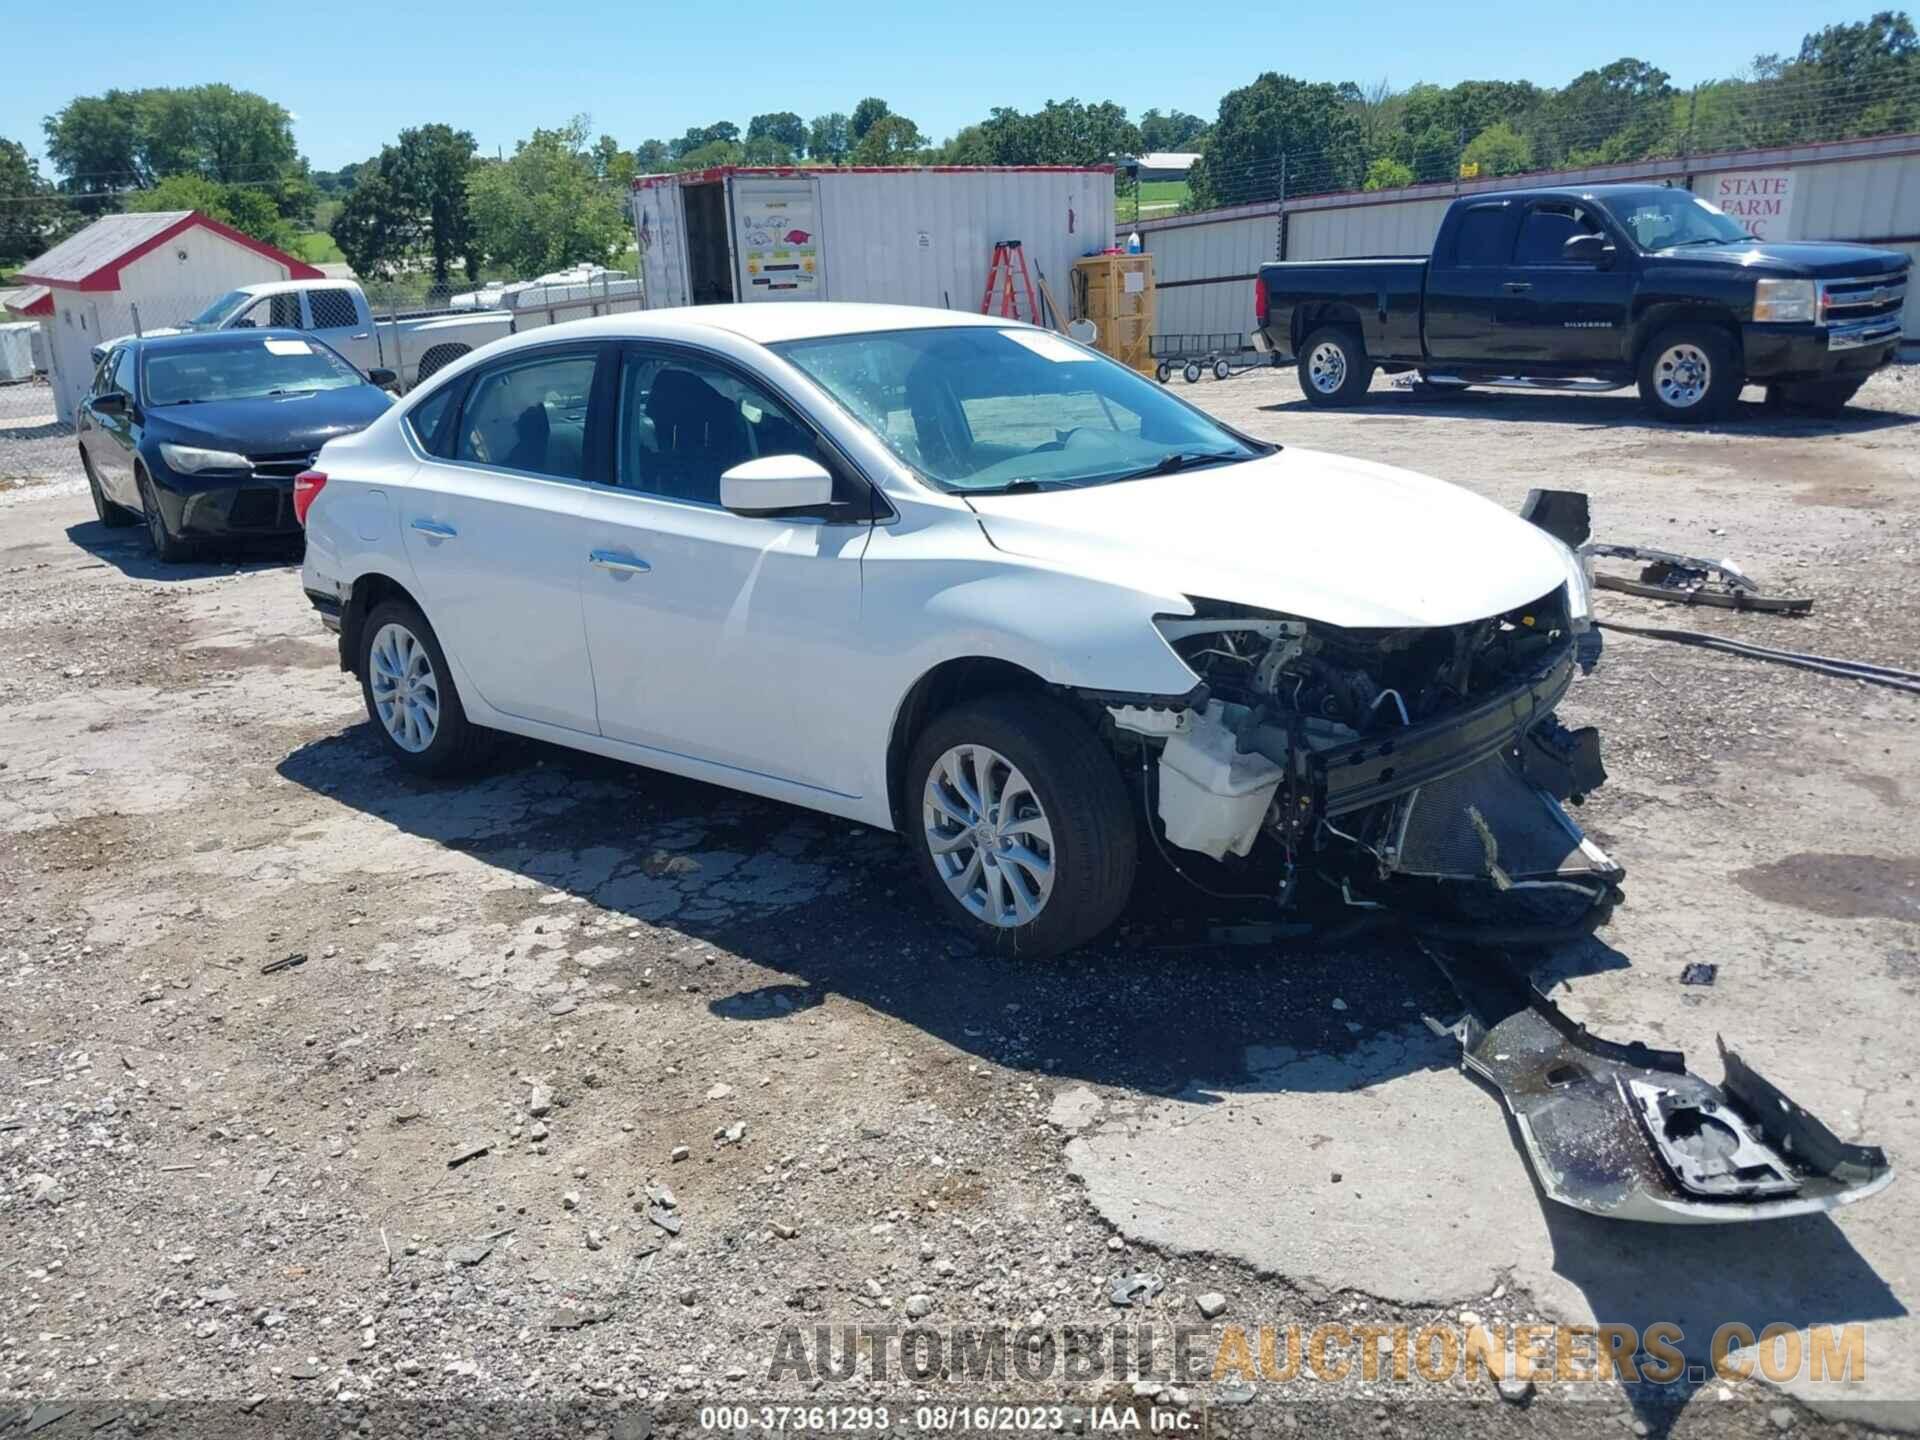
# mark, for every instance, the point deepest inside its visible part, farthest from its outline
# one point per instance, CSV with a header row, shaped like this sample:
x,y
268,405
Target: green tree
x,y
829,138
714,152
1175,130
651,157
246,208
1309,123
1063,132
544,208
890,140
411,206
32,216
697,135
865,115
783,127
1620,111
1497,150
1847,80
1387,173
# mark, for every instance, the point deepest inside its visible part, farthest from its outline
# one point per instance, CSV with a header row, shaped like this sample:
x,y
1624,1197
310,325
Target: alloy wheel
x,y
989,836
406,691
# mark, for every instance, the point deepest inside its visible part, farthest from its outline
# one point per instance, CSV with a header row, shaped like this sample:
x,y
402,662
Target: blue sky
x,y
355,73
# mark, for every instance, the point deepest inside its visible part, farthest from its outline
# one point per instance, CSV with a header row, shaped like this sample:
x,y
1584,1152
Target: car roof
x,y
770,322
1574,192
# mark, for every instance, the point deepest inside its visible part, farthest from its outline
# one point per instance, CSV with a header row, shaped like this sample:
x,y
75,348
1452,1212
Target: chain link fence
x,y
412,325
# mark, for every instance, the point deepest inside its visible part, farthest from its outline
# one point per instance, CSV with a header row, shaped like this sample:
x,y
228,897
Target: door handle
x,y
364,335
619,562
435,529
1517,286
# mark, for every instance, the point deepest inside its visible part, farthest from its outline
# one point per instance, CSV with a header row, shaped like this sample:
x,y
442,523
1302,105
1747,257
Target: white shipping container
x,y
907,236
16,350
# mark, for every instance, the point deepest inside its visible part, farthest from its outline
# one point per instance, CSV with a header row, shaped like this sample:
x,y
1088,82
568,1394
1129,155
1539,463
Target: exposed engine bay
x,y
1376,755
1407,769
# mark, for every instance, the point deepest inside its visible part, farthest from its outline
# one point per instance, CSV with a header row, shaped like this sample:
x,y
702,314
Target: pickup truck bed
x,y
1596,288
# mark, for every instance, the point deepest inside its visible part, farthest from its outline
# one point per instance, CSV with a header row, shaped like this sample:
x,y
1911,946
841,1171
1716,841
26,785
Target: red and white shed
x,y
128,272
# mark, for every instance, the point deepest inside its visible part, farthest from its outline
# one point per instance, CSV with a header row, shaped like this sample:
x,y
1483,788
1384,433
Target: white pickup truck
x,y
411,344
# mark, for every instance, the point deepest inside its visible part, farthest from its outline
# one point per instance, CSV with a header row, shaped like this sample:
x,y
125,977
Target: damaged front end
x,y
1396,763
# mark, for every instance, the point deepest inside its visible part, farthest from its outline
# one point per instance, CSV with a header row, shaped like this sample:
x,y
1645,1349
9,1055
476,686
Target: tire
x,y
439,739
113,516
1221,370
1333,367
168,548
1688,374
1054,770
1163,372
1192,373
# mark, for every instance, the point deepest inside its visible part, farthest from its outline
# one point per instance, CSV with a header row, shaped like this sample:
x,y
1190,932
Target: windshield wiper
x,y
1180,460
1016,487
307,391
1705,240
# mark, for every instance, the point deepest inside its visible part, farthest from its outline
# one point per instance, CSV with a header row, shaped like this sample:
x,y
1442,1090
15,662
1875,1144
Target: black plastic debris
x,y
1699,973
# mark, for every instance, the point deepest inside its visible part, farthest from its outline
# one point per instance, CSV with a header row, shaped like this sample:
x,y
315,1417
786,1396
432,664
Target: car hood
x,y
1345,542
270,425
1816,259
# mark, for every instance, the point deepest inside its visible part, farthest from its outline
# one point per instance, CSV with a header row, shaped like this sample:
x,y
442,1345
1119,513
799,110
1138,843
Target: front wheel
x,y
168,548
410,694
1021,824
1688,374
1333,367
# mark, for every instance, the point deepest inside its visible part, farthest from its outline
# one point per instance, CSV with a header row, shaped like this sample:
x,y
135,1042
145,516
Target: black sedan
x,y
201,435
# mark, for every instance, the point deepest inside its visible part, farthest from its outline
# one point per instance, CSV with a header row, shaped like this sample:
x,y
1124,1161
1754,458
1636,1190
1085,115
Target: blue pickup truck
x,y
1594,288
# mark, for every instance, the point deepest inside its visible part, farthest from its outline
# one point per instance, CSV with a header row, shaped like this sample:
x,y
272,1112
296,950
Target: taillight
x,y
306,485
1260,299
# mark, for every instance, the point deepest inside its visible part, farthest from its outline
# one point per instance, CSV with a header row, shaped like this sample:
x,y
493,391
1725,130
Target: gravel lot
x,y
224,1182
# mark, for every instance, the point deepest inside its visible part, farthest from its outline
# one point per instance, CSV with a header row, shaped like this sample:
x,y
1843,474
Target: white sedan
x,y
959,578
967,580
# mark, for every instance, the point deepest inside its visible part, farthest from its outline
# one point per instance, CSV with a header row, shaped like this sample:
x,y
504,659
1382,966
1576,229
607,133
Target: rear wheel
x,y
1333,367
1022,827
1688,374
111,515
168,548
410,694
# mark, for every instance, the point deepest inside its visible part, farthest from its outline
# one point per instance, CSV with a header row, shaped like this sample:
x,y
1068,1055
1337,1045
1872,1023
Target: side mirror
x,y
775,483
1588,250
383,377
111,403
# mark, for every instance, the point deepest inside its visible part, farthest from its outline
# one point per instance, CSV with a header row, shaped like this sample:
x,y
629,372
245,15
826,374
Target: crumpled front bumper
x,y
1627,1132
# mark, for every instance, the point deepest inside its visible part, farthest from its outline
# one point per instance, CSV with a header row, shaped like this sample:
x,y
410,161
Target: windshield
x,y
221,310
1664,219
245,370
975,408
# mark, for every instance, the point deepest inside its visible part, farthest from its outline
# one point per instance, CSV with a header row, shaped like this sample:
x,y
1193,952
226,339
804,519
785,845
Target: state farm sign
x,y
1761,200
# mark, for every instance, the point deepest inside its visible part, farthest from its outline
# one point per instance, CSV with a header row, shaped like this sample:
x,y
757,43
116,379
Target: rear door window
x,y
332,309
1481,237
530,415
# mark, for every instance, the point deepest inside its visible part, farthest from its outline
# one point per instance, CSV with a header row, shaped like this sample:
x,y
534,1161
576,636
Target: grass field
x,y
1157,197
316,247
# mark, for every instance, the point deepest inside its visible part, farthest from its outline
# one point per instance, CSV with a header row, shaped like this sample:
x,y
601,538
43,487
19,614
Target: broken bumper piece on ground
x,y
1625,1131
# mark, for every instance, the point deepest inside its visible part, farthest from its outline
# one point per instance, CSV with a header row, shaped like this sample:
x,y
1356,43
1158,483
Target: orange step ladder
x,y
1006,255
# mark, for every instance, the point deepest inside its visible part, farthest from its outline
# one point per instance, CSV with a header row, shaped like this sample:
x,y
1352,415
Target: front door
x,y
114,435
1565,316
497,536
713,635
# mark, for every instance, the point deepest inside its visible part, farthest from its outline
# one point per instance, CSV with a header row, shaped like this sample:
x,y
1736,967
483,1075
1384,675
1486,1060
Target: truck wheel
x,y
1020,824
1688,374
1333,367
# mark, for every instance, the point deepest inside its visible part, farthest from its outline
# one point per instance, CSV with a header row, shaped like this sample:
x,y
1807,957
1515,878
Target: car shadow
x,y
128,550
1603,411
1180,1000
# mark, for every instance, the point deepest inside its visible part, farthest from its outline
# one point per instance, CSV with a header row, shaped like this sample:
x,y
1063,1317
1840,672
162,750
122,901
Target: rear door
x,y
336,315
495,530
1467,285
660,230
776,238
1560,315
